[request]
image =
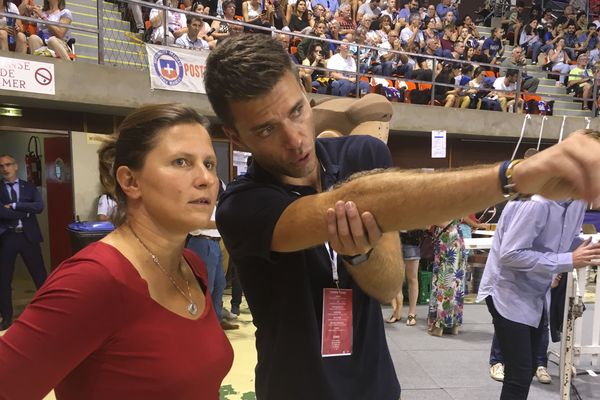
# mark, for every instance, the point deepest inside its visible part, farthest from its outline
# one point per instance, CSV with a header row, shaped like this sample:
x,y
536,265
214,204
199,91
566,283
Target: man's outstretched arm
x,y
409,199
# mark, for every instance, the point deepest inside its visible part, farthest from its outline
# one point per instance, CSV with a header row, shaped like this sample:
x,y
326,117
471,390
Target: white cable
x,y
562,129
588,121
527,117
541,132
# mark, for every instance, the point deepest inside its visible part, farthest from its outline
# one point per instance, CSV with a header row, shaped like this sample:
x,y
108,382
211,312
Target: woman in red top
x,y
129,317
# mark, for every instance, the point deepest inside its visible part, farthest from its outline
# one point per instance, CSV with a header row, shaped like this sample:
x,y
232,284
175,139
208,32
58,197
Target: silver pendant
x,y
192,309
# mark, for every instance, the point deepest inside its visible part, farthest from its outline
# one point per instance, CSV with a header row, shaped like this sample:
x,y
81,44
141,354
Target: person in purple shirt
x,y
534,241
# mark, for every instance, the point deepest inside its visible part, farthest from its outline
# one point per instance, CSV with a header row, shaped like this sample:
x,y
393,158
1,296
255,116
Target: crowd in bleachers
x,y
403,34
36,38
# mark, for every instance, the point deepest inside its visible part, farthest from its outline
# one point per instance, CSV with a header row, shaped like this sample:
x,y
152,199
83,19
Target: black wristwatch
x,y
357,259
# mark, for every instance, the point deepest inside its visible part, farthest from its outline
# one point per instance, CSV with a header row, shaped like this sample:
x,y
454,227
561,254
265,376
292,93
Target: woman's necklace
x,y
192,308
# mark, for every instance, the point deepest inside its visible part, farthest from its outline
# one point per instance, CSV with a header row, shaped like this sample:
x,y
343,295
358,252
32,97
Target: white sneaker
x,y
497,372
542,375
228,314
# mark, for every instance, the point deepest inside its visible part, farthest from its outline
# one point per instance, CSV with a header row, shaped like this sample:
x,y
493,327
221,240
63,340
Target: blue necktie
x,y
13,193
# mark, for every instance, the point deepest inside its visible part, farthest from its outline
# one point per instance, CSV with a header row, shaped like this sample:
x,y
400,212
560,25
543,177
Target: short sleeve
x,y
66,13
486,44
13,9
249,233
103,205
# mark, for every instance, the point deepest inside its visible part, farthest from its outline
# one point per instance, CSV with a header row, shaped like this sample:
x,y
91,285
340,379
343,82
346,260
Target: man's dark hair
x,y
191,19
520,4
512,72
243,67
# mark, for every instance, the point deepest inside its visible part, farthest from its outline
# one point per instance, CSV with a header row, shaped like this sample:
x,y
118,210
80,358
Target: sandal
x,y
411,320
393,320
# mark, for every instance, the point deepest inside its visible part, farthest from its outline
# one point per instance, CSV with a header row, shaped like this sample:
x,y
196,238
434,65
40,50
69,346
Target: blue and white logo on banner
x,y
168,67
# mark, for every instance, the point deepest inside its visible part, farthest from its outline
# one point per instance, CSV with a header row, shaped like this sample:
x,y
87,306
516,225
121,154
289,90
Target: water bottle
x,y
11,23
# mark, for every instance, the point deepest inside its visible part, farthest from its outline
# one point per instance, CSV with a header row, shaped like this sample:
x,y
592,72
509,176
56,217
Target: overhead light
x,y
11,112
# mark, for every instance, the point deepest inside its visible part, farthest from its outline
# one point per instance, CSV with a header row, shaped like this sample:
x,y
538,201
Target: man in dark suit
x,y
19,233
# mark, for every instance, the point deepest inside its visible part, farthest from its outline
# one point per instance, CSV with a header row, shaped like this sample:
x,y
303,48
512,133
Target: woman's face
x,y
199,9
431,11
561,43
318,10
431,24
468,20
301,6
177,186
230,10
470,52
385,25
534,24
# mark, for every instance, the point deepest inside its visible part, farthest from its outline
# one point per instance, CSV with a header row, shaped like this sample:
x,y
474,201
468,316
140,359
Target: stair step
x,y
572,113
92,10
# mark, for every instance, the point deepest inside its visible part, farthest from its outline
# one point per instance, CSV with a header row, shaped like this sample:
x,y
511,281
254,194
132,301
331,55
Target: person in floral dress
x,y
448,285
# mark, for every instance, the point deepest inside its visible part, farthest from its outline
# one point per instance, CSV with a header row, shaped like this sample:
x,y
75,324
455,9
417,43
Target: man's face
x,y
459,47
8,169
512,79
582,61
345,12
569,11
284,40
414,5
374,4
194,28
416,22
392,4
278,129
449,16
433,45
517,53
571,29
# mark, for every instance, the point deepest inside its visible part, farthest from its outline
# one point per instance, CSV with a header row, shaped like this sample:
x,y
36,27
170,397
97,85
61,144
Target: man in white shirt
x,y
369,8
190,39
345,80
411,34
506,87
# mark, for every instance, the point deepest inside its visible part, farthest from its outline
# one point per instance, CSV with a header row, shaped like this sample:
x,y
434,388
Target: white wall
x,y
86,183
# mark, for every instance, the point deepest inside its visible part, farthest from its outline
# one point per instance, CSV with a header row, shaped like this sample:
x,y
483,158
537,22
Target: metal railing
x,y
99,32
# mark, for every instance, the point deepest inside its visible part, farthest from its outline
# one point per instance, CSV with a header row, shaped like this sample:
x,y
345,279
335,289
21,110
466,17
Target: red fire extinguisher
x,y
33,161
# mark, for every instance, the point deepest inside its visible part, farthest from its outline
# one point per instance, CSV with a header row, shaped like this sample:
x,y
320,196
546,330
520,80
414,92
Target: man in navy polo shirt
x,y
289,218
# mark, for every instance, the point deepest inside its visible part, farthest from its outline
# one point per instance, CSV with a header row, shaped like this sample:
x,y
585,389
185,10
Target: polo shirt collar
x,y
329,170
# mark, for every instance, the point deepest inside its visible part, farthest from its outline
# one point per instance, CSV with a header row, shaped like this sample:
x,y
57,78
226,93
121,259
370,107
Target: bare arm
x,y
352,233
408,204
409,200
